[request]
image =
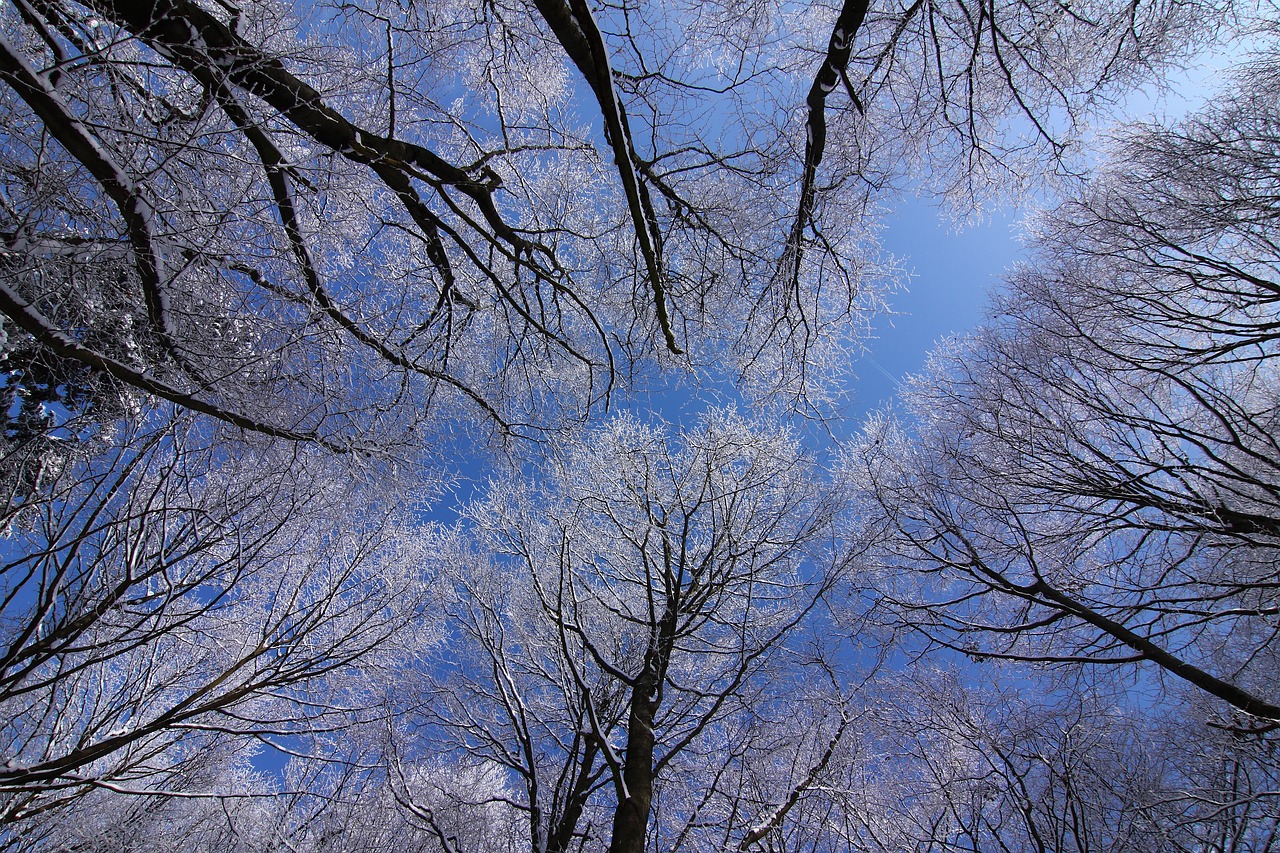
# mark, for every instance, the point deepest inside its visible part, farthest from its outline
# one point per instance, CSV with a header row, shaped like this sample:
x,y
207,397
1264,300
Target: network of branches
x,y
335,520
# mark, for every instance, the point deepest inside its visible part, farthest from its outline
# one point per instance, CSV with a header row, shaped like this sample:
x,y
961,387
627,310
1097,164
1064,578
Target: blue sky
x,y
950,274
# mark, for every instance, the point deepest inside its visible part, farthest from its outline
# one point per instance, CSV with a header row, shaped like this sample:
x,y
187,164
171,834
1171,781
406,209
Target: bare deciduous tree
x,y
638,597
1094,473
299,239
180,594
1009,760
258,262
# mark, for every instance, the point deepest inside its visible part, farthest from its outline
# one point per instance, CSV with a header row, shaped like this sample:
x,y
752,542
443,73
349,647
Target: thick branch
x,y
833,69
200,44
77,139
1212,685
775,819
61,344
578,34
274,165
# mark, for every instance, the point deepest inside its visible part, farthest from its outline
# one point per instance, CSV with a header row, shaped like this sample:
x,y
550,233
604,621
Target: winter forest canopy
x,y
335,519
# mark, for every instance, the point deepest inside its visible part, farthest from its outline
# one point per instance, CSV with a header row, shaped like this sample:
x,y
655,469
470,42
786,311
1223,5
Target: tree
x,y
634,609
298,240
335,236
1093,476
180,596
1012,758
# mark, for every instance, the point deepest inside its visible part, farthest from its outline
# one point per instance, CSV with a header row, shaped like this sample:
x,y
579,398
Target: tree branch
x,y
578,34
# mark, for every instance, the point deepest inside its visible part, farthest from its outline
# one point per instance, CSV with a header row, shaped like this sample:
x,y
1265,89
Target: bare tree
x,y
257,261
297,240
641,594
248,234
1094,475
1011,760
506,698
179,594
970,101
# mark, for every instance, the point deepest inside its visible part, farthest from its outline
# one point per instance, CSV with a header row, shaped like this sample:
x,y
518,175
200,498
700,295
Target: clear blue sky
x,y
950,275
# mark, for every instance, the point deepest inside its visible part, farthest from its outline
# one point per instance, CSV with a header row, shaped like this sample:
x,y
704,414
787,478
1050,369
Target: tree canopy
x,y
1093,477
334,520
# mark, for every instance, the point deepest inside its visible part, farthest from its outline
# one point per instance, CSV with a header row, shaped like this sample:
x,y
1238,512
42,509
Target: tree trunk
x,y
631,817
561,835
